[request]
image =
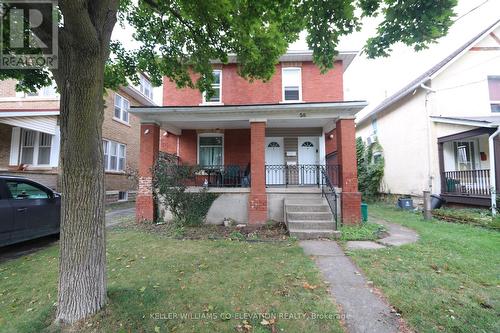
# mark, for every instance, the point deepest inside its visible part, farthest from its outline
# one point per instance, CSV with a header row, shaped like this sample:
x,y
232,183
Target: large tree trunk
x,y
83,50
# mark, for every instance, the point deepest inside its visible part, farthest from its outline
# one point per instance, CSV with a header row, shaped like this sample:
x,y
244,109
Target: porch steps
x,y
309,218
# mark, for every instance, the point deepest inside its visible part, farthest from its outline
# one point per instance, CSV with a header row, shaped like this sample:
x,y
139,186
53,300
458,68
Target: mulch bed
x,y
268,232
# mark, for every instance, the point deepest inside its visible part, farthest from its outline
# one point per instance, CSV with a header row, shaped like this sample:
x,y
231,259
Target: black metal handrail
x,y
328,192
467,182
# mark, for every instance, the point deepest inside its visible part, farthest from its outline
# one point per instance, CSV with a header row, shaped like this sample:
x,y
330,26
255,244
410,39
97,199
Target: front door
x,y
308,148
275,161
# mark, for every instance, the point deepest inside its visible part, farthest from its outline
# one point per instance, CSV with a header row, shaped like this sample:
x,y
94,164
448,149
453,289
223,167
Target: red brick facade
x,y
316,87
348,173
246,146
257,201
150,145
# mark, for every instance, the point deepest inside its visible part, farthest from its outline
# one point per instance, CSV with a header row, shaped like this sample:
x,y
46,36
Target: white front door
x,y
308,149
275,161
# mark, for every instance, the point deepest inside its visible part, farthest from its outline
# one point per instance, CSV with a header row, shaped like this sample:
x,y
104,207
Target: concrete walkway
x,y
115,217
398,235
364,311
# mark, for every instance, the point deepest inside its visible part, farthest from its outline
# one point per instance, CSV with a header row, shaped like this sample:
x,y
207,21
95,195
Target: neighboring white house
x,y
435,130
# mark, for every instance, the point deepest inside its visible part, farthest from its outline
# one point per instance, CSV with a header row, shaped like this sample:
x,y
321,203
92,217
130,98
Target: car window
x,y
22,190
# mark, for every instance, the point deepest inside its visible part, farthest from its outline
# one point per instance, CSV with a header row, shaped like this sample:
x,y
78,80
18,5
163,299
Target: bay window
x,y
35,148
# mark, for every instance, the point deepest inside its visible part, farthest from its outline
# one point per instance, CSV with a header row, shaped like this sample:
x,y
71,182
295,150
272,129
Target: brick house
x,y
259,143
29,136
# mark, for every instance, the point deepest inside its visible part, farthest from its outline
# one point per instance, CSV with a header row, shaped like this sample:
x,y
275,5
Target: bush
x,y
370,168
169,180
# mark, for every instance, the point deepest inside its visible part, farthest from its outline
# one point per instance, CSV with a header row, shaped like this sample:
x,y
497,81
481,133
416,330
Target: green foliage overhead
x,y
370,168
180,38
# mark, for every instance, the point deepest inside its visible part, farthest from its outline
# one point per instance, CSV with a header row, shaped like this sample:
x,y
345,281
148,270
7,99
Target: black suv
x,y
28,210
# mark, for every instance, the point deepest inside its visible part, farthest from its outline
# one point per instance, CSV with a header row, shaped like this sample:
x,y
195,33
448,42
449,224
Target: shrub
x,y
370,168
169,179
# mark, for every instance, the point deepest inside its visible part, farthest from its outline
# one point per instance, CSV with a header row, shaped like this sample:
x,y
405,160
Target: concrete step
x,y
307,208
309,216
308,225
306,201
314,234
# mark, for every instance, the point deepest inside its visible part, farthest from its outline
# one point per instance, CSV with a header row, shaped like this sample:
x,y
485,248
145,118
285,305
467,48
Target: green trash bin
x,y
364,212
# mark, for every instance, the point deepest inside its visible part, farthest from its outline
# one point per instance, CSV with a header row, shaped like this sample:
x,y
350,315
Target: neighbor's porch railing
x,y
467,182
301,175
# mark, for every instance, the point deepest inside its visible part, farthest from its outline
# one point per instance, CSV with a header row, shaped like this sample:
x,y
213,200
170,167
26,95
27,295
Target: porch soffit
x,y
238,116
466,134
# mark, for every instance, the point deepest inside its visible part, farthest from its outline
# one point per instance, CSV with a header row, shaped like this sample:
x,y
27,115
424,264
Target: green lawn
x,y
447,282
152,278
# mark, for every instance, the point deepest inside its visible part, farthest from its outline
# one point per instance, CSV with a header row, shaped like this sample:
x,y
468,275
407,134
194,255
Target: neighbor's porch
x,y
255,147
465,173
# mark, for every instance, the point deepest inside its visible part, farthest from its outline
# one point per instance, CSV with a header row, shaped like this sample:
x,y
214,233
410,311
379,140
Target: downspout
x,y
493,180
428,91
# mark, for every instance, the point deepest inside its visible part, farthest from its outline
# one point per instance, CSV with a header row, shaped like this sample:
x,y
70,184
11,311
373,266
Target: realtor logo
x,y
28,31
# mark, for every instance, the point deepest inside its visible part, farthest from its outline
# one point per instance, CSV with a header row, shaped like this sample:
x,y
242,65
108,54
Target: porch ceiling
x,y
176,119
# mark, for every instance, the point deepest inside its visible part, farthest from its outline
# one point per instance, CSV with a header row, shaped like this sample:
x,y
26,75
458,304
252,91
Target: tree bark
x,y
83,51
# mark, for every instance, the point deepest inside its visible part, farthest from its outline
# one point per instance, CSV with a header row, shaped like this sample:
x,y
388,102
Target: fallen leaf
x,y
309,286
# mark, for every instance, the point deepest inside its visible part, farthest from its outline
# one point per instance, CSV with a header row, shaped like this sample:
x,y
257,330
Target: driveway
x,y
113,218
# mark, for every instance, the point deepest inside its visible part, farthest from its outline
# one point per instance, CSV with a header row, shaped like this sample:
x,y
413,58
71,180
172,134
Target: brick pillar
x,y
145,208
348,172
257,201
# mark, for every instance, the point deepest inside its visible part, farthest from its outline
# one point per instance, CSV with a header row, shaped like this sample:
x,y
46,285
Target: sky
x,y
373,80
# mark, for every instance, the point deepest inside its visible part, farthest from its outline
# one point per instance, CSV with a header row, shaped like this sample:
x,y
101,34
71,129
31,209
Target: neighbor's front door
x,y
308,160
275,161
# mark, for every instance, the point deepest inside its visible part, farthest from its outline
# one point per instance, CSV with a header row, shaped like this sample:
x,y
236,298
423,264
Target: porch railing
x,y
218,176
328,192
467,182
300,174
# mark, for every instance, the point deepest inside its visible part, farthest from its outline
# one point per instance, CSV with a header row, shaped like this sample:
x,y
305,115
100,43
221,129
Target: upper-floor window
x,y
122,105
114,155
216,87
374,126
47,92
292,84
494,89
146,87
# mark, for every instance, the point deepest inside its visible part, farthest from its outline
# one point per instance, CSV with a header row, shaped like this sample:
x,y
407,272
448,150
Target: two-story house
x,y
440,131
259,142
30,137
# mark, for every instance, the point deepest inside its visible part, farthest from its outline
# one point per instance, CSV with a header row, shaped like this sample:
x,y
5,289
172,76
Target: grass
x,y
449,281
366,231
152,278
473,216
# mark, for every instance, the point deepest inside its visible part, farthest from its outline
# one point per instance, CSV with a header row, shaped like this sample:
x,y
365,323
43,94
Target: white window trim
x,y
36,148
120,120
203,95
144,78
488,77
125,198
108,161
208,135
284,69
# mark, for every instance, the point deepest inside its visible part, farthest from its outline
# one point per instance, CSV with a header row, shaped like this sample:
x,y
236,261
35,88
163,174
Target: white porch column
x,y
322,150
55,147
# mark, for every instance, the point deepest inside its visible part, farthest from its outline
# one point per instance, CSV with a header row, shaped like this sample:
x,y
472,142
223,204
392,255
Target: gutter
x,y
493,190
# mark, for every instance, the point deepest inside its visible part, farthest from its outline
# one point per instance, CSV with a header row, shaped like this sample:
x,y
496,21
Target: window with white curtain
x,y
291,84
35,147
210,150
122,105
114,155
